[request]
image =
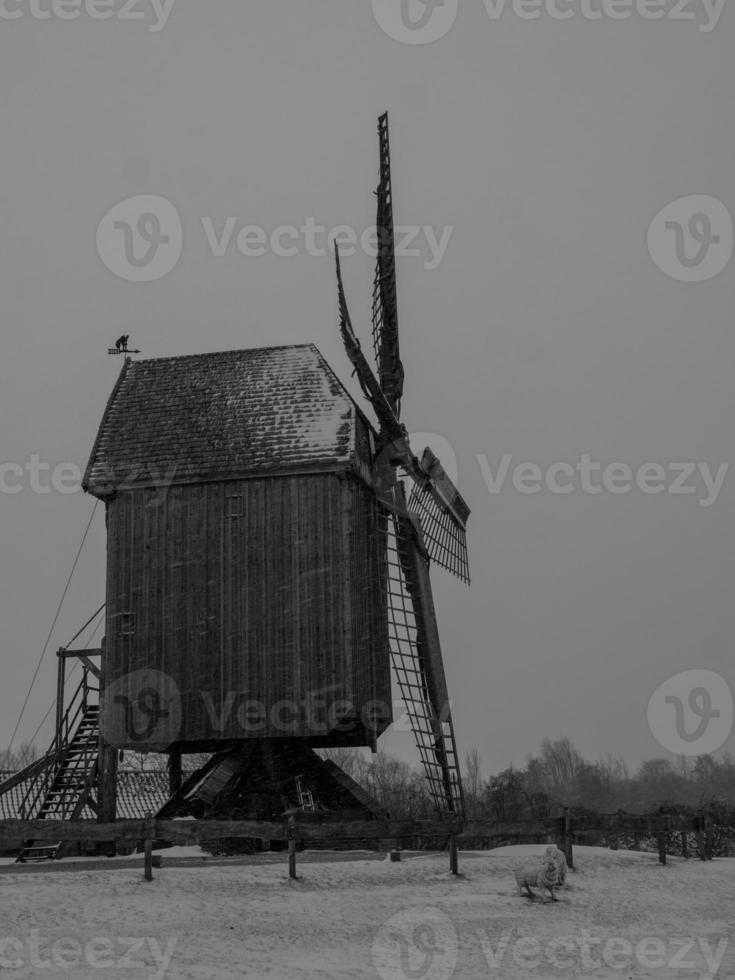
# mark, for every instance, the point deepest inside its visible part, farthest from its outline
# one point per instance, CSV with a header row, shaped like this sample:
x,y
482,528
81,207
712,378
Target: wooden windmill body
x,y
245,554
265,568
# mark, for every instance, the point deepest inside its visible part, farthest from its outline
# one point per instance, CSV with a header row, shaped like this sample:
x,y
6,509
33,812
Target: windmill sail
x,y
385,306
430,527
368,382
417,662
443,514
435,499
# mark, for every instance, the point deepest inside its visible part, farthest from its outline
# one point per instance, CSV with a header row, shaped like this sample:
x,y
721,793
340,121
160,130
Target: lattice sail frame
x,y
445,540
432,726
385,303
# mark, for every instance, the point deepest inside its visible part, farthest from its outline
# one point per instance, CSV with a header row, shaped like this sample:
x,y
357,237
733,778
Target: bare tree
x,y
472,783
23,756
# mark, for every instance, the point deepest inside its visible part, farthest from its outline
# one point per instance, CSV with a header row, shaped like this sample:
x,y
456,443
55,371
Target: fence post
x,y
150,833
684,844
568,850
292,847
708,841
661,839
453,855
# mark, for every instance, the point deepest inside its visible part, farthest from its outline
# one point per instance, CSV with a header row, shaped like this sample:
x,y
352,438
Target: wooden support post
x,y
292,848
661,839
60,684
174,771
453,855
150,832
107,783
568,850
684,844
108,759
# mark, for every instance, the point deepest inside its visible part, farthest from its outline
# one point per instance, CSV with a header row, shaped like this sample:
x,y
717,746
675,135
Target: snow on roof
x,y
137,794
220,416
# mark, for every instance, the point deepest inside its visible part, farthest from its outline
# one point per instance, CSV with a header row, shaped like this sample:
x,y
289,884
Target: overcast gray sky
x,y
546,332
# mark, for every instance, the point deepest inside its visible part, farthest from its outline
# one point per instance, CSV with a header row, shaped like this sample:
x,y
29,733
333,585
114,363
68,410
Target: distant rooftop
x,y
222,415
137,794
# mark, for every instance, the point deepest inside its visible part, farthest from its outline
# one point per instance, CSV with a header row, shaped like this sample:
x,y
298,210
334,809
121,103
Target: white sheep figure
x,y
543,876
559,857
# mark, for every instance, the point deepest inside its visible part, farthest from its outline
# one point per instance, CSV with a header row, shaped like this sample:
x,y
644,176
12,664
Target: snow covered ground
x,y
620,916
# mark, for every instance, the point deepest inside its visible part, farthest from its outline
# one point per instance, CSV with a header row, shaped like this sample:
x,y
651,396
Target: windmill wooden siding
x,y
252,589
267,586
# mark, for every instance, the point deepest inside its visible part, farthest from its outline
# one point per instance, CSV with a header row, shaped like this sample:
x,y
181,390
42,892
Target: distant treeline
x,y
556,776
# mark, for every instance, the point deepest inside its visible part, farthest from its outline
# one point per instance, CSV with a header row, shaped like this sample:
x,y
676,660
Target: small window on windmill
x,y
127,624
235,505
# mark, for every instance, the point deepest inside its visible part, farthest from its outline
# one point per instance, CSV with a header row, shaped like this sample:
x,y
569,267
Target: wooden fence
x,y
315,827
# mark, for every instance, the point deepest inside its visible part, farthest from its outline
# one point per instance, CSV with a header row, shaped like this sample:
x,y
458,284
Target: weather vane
x,y
121,346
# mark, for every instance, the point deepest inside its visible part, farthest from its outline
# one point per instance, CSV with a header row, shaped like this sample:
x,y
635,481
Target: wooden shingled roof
x,y
137,794
221,416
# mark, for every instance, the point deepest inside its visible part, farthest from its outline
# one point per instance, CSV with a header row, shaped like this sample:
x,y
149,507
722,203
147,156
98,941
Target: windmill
x,y
429,525
264,567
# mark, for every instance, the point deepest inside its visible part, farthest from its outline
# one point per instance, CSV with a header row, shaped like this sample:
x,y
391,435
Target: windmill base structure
x,y
265,568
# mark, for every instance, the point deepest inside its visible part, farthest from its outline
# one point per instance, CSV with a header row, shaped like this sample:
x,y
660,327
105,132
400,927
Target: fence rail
x,y
315,827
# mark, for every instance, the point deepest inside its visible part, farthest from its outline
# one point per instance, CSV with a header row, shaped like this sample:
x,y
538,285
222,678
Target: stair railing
x,y
70,720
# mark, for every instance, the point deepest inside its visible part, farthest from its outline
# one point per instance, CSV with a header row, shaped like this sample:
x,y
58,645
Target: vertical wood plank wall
x,y
269,589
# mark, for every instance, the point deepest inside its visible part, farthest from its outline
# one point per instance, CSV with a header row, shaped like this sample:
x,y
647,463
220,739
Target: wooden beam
x,y
86,654
71,831
91,667
292,848
453,855
150,833
192,831
175,775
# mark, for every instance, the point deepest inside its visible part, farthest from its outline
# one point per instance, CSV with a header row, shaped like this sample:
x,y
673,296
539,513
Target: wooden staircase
x,y
64,786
